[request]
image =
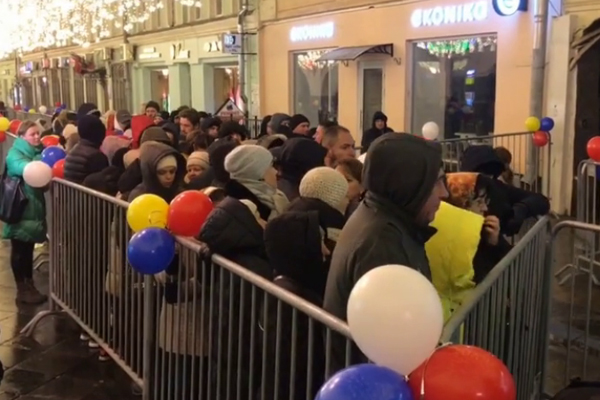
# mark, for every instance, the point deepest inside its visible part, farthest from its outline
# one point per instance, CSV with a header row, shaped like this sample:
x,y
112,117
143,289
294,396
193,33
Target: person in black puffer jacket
x,y
86,157
510,204
299,244
378,128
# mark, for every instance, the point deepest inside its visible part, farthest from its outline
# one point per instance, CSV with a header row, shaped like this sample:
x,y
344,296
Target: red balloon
x,y
58,170
57,104
52,140
14,126
541,138
461,372
593,148
187,213
2,137
18,107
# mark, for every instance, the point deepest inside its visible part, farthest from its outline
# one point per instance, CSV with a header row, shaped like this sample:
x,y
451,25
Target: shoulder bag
x,y
12,198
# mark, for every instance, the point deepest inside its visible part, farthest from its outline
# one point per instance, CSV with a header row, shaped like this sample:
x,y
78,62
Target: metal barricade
x,y
25,116
206,328
574,345
587,205
516,144
505,314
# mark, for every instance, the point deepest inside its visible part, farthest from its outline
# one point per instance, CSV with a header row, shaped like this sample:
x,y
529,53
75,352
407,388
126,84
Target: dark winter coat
x,y
297,156
85,158
373,133
383,229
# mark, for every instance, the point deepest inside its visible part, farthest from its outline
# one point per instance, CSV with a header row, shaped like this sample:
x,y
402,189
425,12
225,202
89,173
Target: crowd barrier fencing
x,y
536,180
208,325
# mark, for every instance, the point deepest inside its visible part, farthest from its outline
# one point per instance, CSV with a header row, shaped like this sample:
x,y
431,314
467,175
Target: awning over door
x,y
353,52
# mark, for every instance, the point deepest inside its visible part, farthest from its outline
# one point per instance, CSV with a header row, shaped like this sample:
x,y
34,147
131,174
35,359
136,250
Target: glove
x,y
520,214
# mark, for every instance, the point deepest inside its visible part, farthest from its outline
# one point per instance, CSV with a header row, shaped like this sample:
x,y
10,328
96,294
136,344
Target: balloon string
x,y
422,392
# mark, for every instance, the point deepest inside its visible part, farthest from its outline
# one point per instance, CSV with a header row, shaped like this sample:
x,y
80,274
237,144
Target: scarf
x,y
267,195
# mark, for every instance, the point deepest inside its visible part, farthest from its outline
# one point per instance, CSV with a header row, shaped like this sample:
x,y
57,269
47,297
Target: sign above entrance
x,y
509,7
307,33
447,15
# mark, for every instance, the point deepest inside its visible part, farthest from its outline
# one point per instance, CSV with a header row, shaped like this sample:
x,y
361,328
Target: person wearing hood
x,y
300,125
133,174
172,131
86,157
378,128
265,129
296,157
163,169
390,226
512,205
253,178
215,175
280,123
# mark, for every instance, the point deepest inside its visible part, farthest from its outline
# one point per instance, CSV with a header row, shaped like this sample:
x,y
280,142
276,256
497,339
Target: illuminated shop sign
x,y
509,7
446,15
306,33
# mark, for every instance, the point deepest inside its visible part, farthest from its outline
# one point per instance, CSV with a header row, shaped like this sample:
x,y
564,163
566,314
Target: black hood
x,y
217,152
379,115
300,155
150,154
92,130
402,169
173,129
482,159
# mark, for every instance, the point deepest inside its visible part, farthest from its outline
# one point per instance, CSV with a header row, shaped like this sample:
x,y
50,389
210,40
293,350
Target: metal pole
x,y
536,97
242,56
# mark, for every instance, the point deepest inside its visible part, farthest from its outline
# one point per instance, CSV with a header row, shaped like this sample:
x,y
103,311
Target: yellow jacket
x,y
451,251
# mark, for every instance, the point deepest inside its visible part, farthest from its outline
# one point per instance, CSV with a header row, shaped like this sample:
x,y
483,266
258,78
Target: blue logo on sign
x,y
509,7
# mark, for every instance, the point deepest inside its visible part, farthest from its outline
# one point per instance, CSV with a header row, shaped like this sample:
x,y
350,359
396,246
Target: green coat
x,y
32,227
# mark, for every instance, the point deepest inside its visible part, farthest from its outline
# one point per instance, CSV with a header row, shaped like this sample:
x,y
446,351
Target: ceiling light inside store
x,y
165,72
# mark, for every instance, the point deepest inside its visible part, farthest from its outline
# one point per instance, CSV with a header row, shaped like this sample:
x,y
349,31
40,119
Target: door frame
x,y
362,66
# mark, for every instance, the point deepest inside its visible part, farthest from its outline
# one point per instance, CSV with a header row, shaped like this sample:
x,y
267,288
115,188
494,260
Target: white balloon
x,y
43,109
37,174
430,131
395,316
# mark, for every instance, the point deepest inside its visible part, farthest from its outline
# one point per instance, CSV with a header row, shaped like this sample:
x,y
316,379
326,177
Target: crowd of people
x,y
294,204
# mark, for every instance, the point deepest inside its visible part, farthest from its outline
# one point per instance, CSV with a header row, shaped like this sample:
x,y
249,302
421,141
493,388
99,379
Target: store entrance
x,y
454,85
370,92
226,85
159,86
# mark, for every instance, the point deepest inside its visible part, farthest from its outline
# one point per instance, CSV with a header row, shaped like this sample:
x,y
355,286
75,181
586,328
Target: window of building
x,y
218,7
315,87
159,84
454,85
65,91
79,91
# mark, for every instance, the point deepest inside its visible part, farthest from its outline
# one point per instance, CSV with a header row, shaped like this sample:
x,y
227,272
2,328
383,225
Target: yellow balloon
x,y
4,124
147,211
532,124
32,111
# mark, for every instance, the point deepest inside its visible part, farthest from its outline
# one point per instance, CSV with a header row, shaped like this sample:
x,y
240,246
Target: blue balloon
x,y
546,124
52,154
151,250
366,382
63,106
26,109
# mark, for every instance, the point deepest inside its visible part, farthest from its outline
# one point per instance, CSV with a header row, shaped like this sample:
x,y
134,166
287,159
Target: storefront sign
x,y
212,47
232,43
178,52
445,15
306,33
509,7
149,53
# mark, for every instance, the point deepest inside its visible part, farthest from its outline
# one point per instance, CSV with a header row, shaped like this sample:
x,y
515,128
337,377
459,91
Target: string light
x,y
309,60
40,24
458,47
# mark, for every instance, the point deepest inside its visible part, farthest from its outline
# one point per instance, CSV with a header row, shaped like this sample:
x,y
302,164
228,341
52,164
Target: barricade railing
x,y
203,329
505,313
587,206
574,340
537,180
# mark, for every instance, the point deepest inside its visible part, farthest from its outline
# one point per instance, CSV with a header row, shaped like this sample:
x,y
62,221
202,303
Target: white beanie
x,y
198,158
166,162
325,184
248,161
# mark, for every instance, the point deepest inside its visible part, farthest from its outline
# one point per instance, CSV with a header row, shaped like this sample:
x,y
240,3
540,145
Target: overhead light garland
x,y
41,24
459,47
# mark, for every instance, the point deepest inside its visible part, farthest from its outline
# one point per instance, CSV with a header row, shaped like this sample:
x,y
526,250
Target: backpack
x,y
579,390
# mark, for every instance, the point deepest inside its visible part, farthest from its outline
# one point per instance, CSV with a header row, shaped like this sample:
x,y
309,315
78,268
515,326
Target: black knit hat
x,y
229,128
152,104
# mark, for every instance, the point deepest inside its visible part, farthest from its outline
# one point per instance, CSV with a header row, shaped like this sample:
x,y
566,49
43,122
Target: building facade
x,y
175,58
427,61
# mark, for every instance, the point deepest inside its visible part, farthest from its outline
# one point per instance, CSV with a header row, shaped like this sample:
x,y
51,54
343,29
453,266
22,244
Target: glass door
x,y
370,92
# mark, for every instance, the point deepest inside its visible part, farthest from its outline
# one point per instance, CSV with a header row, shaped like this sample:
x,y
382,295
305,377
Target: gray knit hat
x,y
248,161
325,184
123,119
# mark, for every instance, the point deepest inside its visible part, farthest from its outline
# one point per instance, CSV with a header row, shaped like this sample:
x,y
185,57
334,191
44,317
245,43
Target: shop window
x,y
55,83
454,85
119,74
315,87
226,86
79,91
159,85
